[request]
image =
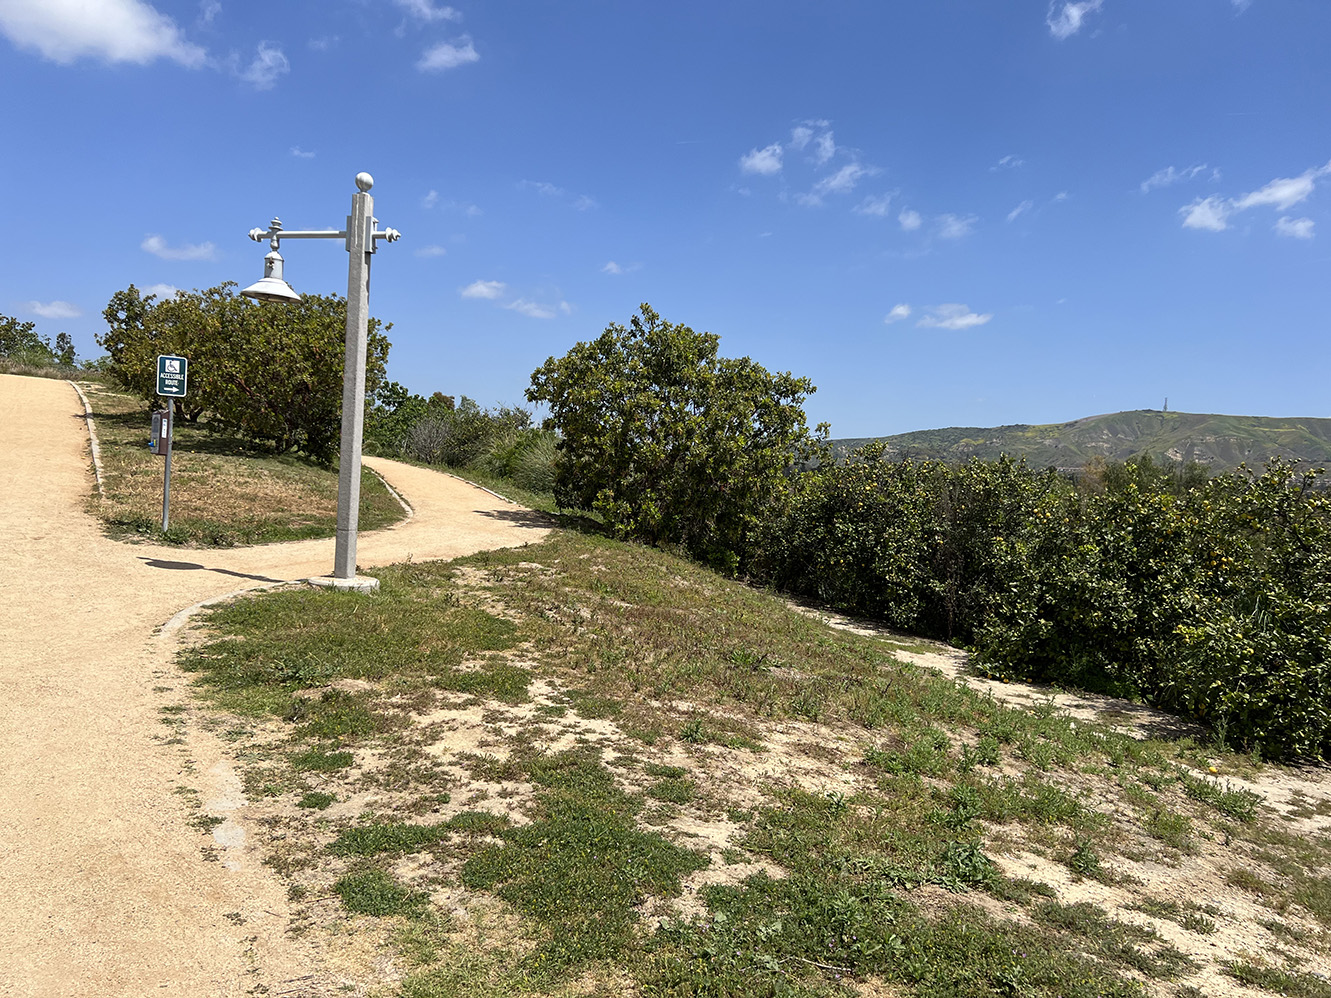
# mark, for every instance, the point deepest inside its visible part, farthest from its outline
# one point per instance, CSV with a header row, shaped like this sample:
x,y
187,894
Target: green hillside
x,y
1220,442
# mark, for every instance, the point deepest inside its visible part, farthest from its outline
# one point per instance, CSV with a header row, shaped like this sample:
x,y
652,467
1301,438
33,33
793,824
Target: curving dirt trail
x,y
104,888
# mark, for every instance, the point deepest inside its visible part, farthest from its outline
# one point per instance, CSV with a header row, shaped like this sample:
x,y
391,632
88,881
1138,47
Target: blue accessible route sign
x,y
172,376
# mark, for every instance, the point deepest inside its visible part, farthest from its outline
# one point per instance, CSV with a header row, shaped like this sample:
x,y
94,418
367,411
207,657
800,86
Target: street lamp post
x,y
361,236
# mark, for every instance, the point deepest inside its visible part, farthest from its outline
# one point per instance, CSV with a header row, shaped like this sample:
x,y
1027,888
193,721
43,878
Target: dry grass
x,y
224,491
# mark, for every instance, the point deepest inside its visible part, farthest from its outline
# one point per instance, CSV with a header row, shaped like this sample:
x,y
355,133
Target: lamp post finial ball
x,y
364,182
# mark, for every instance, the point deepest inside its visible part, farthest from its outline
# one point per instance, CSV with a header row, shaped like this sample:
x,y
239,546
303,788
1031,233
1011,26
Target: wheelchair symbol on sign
x,y
172,366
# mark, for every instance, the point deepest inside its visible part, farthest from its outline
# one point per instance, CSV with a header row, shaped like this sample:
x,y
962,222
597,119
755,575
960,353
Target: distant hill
x,y
1220,442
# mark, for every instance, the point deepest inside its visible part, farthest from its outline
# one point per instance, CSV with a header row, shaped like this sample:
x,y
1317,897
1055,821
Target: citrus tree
x,y
272,372
669,442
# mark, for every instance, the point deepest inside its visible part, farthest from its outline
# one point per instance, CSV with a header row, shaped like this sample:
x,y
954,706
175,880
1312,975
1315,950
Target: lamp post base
x,y
359,583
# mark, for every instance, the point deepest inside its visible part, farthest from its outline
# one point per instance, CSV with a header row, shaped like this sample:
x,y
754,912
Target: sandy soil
x,y
108,890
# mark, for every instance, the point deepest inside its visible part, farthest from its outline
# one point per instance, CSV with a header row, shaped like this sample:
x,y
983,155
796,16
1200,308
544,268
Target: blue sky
x,y
944,212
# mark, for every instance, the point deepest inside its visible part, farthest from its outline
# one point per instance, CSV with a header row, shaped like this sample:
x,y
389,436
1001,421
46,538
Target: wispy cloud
x,y
1295,228
1008,163
764,162
1170,176
1066,19
323,43
268,64
1213,213
898,313
431,251
162,291
54,309
208,11
1020,210
843,181
431,199
910,220
616,269
952,317
424,10
300,153
489,290
1283,193
536,310
955,226
448,55
157,246
879,206
578,202
110,30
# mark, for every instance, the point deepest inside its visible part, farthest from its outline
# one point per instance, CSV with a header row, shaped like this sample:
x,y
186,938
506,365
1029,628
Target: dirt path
x,y
105,885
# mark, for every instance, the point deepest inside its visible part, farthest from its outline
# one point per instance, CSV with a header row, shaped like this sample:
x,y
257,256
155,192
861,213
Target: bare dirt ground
x,y
108,889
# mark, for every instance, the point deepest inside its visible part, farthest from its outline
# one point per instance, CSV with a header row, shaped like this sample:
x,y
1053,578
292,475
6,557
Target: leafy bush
x,y
1211,599
667,441
272,372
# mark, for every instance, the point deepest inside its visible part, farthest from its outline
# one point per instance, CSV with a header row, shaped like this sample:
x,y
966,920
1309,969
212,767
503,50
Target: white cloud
x,y
541,187
1169,176
844,180
1295,228
269,63
876,206
1241,5
580,202
535,310
953,317
300,153
612,268
162,291
323,44
898,313
955,226
1008,163
1066,19
765,161
431,250
449,55
1284,192
910,220
1020,210
488,290
157,246
1210,213
208,11
54,309
431,199
800,136
1060,196
424,10
110,30
824,148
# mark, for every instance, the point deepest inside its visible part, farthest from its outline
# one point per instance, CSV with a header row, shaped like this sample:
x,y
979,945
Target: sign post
x,y
172,381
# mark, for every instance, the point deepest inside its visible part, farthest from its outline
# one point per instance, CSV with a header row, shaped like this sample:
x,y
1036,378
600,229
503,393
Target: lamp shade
x,y
271,287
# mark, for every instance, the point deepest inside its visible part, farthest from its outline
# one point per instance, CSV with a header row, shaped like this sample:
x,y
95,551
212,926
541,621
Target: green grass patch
x,y
677,790
374,892
376,839
301,638
1281,982
582,869
320,760
316,800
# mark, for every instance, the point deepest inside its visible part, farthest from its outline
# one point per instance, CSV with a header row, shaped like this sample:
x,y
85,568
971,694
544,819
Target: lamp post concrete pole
x,y
360,235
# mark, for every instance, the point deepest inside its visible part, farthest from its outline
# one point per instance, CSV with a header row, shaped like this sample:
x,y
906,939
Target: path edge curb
x,y
92,439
